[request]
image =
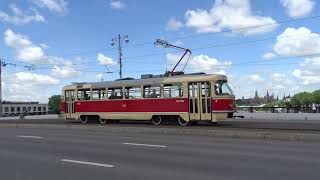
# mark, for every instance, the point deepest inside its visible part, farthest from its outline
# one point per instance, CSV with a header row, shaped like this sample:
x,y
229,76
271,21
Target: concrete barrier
x,y
250,134
279,116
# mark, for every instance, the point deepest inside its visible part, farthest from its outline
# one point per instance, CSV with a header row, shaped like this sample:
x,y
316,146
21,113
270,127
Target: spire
x,y
256,95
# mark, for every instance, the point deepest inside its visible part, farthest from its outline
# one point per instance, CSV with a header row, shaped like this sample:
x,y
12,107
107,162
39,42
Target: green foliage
x,y
306,99
316,96
54,103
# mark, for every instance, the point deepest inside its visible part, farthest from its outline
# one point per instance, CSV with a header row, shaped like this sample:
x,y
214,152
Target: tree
x,y
302,99
316,96
54,103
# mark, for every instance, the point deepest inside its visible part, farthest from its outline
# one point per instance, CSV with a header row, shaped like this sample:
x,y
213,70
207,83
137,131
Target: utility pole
x,y
120,40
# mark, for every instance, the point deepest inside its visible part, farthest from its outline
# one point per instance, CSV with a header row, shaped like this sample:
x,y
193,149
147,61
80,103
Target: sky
x,y
259,45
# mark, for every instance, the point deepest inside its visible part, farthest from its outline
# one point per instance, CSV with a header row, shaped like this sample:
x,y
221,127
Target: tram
x,y
184,98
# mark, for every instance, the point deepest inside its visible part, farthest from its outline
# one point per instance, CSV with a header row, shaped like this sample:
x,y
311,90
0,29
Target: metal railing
x,y
276,109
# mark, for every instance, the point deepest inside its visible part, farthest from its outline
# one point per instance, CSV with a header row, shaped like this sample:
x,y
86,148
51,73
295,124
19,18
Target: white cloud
x,y
35,79
105,60
19,17
26,86
268,56
279,83
308,73
25,50
174,25
200,63
57,6
254,78
64,72
278,77
229,14
298,8
297,42
44,45
117,4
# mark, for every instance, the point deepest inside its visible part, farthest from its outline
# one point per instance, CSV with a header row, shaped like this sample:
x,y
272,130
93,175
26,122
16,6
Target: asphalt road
x,y
37,154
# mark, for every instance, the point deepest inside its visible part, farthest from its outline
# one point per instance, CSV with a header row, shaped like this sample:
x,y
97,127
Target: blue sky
x,y
259,45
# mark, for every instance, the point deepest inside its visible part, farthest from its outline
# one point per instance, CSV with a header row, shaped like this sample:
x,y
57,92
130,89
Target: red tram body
x,y
184,98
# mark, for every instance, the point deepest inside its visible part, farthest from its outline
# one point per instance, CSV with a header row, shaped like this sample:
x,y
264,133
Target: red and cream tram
x,y
182,98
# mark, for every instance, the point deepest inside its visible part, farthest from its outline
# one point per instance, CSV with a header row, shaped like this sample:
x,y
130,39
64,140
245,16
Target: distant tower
x,y
277,97
242,97
256,95
267,94
284,97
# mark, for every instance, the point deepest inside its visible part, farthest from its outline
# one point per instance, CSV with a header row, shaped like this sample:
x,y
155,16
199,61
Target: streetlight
x,y
119,40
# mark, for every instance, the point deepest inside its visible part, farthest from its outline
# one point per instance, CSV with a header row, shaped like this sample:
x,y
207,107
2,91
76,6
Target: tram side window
x,y
132,92
84,94
98,94
222,88
115,93
151,91
172,90
72,95
205,89
67,95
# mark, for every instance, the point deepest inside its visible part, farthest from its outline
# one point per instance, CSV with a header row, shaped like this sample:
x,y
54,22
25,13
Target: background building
x,y
13,108
257,100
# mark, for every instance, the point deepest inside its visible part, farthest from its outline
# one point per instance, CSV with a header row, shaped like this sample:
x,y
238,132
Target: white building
x,y
11,108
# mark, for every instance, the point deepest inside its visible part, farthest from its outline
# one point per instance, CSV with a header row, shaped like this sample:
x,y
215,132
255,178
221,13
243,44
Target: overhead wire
x,y
190,36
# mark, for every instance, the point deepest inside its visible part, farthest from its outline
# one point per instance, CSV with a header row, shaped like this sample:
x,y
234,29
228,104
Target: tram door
x,y
200,101
70,96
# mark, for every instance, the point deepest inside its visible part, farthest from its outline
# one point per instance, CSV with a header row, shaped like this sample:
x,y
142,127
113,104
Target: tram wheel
x,y
84,119
156,120
182,122
102,121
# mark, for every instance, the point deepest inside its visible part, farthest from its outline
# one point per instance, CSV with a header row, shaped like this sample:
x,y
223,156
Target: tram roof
x,y
148,81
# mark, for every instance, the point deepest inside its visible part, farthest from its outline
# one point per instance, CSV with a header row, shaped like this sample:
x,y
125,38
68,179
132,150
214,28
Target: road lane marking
x,y
87,163
34,137
149,145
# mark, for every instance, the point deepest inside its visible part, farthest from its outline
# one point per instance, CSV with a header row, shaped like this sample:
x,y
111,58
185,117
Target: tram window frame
x,y
170,89
221,88
66,95
112,94
136,92
147,91
205,89
98,94
81,94
72,95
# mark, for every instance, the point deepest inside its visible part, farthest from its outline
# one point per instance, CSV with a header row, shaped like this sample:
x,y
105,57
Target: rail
x,y
277,109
